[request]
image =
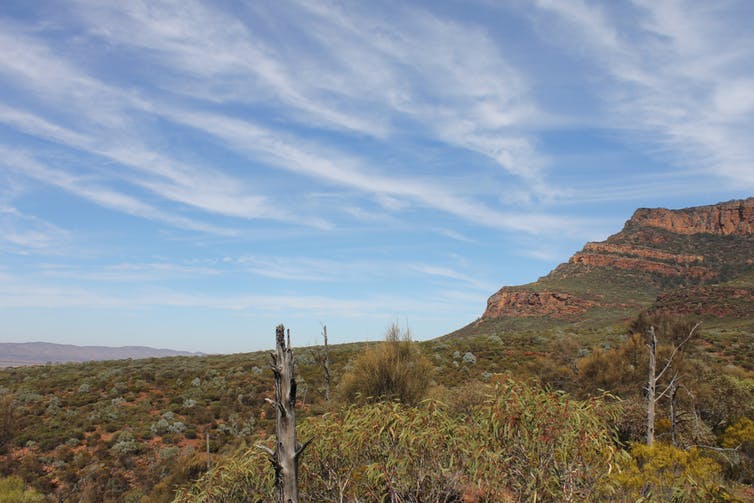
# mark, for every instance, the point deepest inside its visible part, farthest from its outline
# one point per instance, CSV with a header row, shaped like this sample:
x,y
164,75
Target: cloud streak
x,y
23,163
181,46
17,292
681,89
355,70
24,234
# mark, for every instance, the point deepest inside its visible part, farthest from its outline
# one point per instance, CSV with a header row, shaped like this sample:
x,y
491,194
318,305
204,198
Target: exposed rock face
x,y
658,248
647,253
670,265
733,217
522,303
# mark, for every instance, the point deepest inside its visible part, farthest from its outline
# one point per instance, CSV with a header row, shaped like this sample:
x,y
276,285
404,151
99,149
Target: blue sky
x,y
189,174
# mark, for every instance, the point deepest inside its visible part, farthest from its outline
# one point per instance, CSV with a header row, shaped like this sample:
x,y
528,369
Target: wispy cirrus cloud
x,y
345,271
442,74
449,273
353,68
23,163
210,54
476,87
142,272
299,156
20,292
107,123
679,78
22,233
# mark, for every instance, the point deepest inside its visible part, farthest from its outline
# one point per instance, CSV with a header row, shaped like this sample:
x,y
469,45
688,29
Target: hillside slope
x,y
696,260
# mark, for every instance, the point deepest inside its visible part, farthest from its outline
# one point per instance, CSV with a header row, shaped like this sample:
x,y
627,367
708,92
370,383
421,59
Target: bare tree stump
x,y
651,386
287,451
327,366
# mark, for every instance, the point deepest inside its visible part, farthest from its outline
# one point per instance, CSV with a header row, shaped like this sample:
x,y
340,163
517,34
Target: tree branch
x,y
667,388
301,448
675,350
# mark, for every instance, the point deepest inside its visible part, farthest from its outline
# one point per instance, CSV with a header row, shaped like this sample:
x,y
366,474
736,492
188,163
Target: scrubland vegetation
x,y
528,416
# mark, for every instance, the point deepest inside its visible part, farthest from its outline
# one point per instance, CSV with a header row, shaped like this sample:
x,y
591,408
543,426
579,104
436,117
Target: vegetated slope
x,y
126,429
134,430
696,260
35,353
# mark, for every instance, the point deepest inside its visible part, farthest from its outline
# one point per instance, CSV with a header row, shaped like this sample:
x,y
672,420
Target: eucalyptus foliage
x,y
518,443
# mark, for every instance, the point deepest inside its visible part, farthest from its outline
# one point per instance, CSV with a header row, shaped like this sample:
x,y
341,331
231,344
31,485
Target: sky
x,y
188,174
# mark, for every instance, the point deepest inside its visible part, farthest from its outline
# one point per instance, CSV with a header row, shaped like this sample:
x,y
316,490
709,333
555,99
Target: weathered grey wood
x,y
653,379
287,451
327,365
651,385
209,462
673,414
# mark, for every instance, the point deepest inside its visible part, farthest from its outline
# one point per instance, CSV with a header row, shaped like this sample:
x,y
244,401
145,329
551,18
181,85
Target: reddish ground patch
x,y
196,443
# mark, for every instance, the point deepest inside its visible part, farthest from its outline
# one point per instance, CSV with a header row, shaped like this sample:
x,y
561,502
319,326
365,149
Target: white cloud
x,y
202,188
446,272
128,272
296,155
344,271
108,118
680,79
18,292
458,236
99,194
22,233
349,68
448,77
217,57
453,82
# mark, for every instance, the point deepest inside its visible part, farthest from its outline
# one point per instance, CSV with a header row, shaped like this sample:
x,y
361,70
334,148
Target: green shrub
x,y
521,444
740,437
663,473
546,446
12,490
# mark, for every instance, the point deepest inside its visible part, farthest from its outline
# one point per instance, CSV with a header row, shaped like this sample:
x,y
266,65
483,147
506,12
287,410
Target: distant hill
x,y
14,354
697,261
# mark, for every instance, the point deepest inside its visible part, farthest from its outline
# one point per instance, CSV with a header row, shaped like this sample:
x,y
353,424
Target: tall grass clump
x,y
392,370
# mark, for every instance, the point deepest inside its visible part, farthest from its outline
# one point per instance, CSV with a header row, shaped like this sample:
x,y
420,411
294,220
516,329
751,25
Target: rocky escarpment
x,y
647,260
658,250
733,217
522,303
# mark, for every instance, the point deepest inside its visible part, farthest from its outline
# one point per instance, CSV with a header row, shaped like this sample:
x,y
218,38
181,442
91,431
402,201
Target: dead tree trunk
x,y
287,450
654,378
673,413
327,366
209,460
651,386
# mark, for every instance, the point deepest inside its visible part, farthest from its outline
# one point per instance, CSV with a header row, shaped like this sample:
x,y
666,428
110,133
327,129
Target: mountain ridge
x,y
692,260
38,353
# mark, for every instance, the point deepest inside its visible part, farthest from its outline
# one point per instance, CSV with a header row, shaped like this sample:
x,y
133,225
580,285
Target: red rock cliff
x,y
733,217
524,304
641,250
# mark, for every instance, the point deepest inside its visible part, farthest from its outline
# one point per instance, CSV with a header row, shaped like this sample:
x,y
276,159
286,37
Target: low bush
x,y
522,443
663,473
393,370
12,490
